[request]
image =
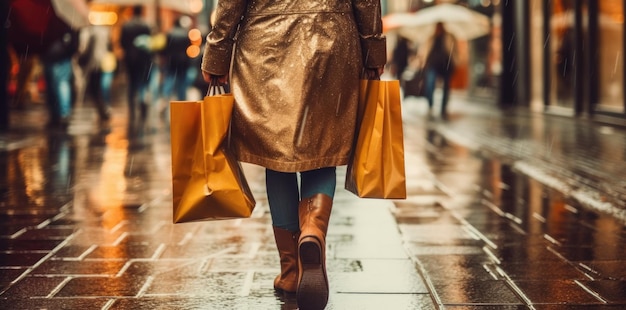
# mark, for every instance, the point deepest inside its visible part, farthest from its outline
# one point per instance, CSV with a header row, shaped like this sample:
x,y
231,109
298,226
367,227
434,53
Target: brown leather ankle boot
x,y
287,244
314,213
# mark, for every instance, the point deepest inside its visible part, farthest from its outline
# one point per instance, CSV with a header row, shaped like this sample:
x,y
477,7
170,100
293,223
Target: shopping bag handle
x,y
215,87
370,74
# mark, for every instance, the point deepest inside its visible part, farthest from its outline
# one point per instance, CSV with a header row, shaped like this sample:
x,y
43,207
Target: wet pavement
x,y
505,211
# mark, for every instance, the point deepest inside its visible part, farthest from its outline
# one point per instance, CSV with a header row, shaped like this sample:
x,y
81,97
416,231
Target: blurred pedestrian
x,y
400,57
30,19
138,57
24,79
295,77
439,63
565,62
177,63
108,67
94,52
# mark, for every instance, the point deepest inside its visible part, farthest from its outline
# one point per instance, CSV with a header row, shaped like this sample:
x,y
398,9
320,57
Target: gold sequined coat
x,y
294,73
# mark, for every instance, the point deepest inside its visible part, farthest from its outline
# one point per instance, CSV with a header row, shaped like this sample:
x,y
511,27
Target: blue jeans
x,y
430,82
284,194
58,76
106,80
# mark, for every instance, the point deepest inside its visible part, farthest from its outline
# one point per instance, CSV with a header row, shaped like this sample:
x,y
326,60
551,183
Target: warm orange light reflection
x,y
102,18
193,51
195,6
112,185
195,36
30,166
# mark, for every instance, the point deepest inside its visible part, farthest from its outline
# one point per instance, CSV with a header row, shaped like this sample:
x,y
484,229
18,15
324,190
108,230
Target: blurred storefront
x,y
560,56
575,50
576,58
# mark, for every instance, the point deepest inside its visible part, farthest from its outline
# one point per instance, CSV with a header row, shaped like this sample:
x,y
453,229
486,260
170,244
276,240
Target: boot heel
x,y
313,286
310,251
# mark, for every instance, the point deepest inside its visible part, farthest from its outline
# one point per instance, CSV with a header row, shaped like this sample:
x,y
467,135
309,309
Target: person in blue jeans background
x,y
58,75
55,41
140,67
440,63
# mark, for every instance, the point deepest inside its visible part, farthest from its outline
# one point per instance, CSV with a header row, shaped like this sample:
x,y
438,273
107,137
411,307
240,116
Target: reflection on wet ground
x,y
483,232
87,224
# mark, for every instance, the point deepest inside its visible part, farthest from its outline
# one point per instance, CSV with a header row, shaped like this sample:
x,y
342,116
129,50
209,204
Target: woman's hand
x,y
374,73
221,79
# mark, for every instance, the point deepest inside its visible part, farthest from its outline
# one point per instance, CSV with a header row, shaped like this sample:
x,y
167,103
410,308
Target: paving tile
x,y
459,292
477,215
27,259
8,275
605,270
54,303
340,301
203,284
580,307
206,250
365,250
612,291
572,234
124,251
102,287
415,214
435,233
521,253
449,271
260,284
487,307
47,234
91,235
588,253
518,240
84,267
440,263
542,270
28,245
418,249
200,302
379,276
24,220
6,231
238,263
72,251
32,286
164,266
555,292
496,230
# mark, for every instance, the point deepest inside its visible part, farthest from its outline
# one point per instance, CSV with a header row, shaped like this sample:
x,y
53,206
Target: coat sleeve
x,y
369,23
219,42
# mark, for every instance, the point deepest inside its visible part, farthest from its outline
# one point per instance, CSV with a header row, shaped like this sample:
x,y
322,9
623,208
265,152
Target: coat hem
x,y
297,166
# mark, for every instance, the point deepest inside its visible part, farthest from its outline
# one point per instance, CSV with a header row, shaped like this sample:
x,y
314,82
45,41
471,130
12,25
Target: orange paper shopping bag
x,y
207,182
376,169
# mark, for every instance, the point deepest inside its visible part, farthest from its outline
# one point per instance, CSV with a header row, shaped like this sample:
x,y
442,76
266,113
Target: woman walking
x,y
295,76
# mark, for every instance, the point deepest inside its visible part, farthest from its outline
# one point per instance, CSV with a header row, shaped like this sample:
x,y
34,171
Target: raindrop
x,y
130,166
303,125
606,130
